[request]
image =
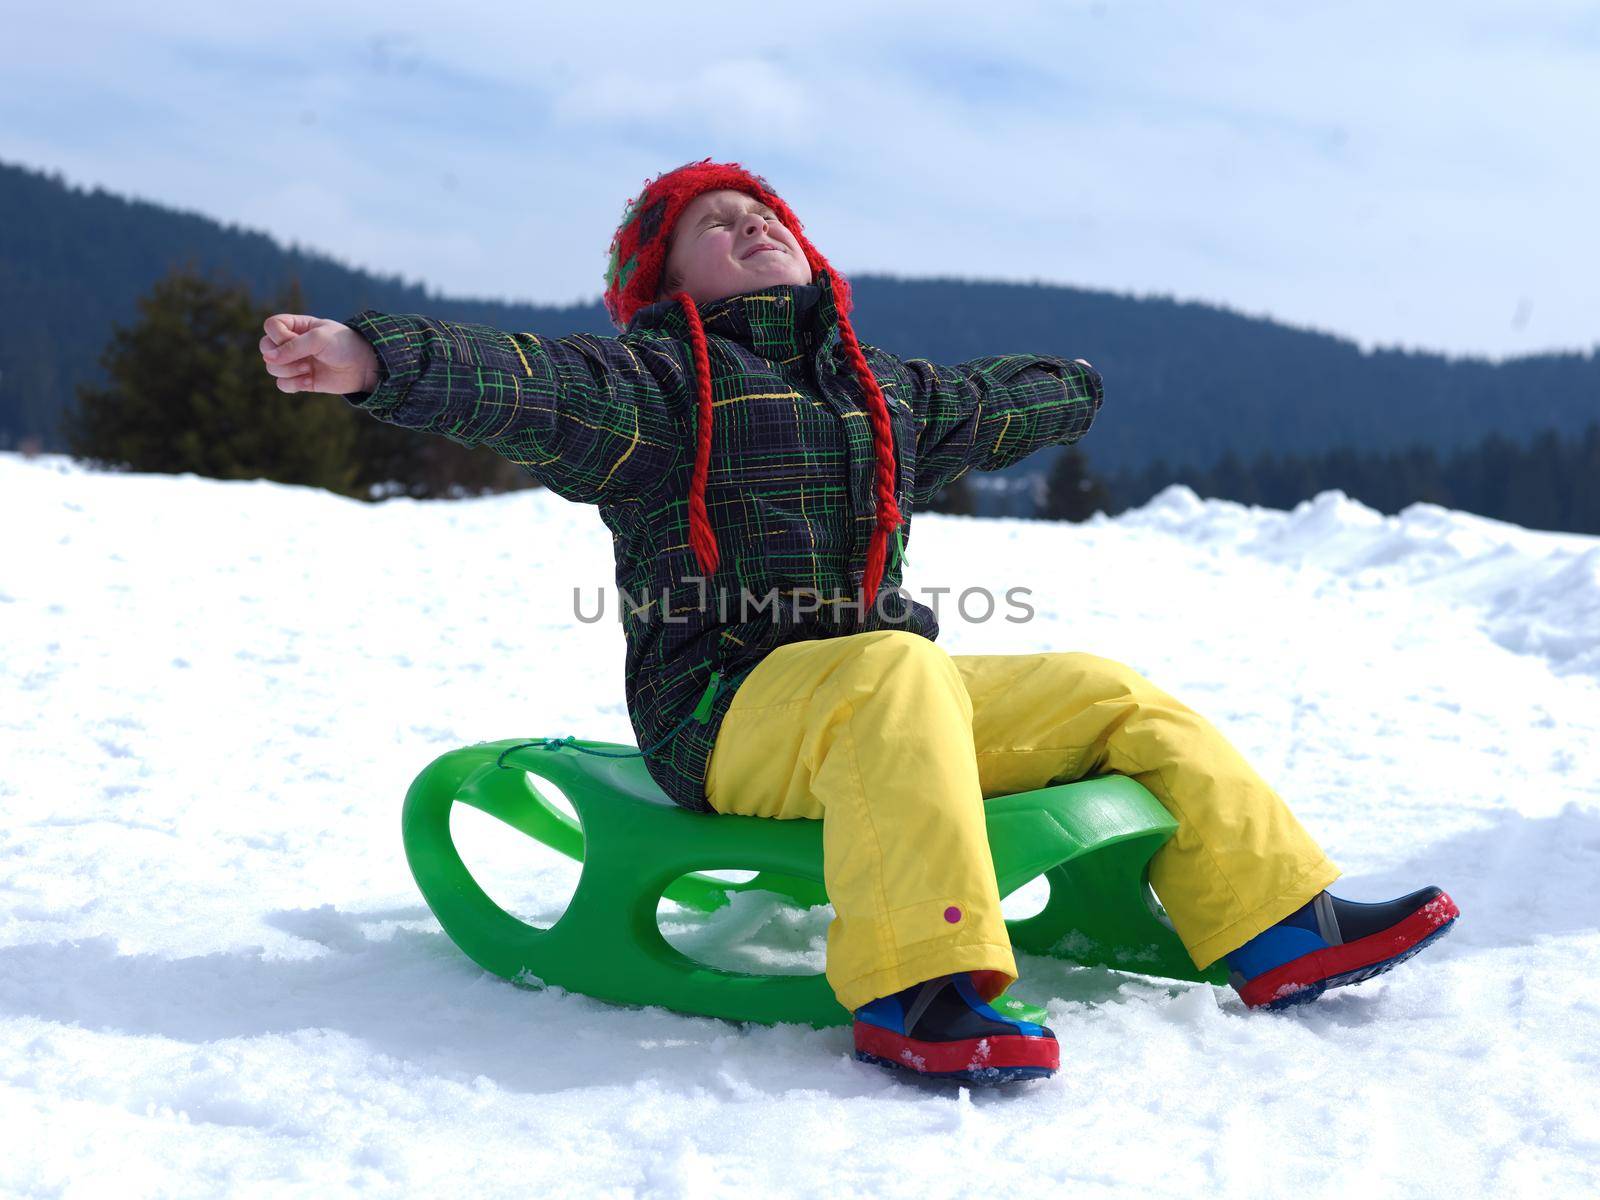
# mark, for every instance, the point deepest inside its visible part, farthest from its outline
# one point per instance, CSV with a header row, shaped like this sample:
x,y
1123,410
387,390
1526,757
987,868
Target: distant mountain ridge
x,y
1187,382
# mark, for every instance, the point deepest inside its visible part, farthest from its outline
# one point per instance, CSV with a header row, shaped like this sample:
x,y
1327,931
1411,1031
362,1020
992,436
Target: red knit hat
x,y
633,277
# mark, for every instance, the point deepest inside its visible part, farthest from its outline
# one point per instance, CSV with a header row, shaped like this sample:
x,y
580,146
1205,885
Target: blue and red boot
x,y
1332,942
943,1029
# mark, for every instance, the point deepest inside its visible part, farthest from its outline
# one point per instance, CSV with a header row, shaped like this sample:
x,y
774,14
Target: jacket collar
x,y
778,323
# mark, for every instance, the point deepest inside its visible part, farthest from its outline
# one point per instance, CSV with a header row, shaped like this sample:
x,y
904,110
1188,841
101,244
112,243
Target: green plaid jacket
x,y
611,421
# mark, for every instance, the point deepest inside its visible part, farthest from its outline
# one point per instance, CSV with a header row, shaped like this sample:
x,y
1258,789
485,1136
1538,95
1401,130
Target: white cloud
x,y
1407,175
734,98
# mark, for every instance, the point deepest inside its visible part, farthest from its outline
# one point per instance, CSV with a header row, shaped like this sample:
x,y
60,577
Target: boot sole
x,y
1306,978
986,1060
983,1076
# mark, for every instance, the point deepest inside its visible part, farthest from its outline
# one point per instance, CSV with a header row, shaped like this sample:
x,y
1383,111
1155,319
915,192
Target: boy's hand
x,y
314,354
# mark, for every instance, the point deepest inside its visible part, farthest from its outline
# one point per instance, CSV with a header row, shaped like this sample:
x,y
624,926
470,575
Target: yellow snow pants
x,y
893,744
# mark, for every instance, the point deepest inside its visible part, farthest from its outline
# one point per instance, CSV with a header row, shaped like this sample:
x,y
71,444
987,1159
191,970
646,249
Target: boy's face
x,y
725,243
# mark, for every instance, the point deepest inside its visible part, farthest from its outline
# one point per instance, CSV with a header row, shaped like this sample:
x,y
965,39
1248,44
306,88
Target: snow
x,y
217,976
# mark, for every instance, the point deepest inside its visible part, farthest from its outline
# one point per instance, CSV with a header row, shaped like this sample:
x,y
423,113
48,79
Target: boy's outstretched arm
x,y
587,416
991,412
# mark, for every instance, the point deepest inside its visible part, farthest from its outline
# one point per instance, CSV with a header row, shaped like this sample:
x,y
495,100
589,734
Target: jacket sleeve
x,y
992,412
589,417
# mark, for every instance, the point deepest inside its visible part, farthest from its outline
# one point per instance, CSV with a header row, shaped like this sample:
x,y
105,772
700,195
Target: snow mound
x,y
1533,592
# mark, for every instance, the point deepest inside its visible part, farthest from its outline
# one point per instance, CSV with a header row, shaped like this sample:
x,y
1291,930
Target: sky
x,y
1405,175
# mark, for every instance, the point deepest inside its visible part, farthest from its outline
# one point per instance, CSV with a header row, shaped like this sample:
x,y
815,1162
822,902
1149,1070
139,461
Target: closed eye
x,y
713,222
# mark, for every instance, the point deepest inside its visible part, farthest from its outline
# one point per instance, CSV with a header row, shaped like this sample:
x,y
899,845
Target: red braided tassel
x,y
888,511
877,555
703,541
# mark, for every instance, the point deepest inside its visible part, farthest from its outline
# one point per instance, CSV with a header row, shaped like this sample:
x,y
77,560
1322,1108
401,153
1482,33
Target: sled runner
x,y
1091,840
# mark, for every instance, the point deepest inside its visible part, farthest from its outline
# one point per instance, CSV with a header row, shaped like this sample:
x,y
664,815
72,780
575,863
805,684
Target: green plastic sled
x,y
1091,840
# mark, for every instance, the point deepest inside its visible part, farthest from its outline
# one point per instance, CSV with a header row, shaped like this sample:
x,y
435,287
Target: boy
x,y
753,461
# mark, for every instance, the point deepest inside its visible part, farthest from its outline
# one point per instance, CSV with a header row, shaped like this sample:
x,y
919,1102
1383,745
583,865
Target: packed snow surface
x,y
216,974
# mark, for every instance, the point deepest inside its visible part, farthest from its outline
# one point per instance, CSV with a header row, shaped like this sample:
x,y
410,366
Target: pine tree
x,y
1585,515
1071,492
187,392
392,461
956,497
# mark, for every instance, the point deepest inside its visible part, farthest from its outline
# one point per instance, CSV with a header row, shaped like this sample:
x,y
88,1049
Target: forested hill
x,y
1186,382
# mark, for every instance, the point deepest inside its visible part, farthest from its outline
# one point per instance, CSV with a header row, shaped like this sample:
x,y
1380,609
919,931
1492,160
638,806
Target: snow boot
x,y
942,1029
1332,942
